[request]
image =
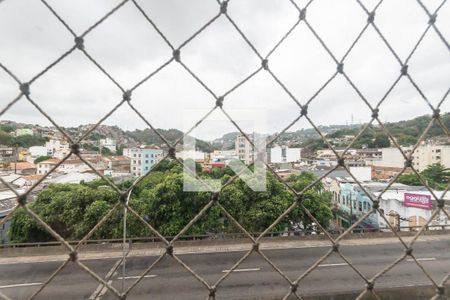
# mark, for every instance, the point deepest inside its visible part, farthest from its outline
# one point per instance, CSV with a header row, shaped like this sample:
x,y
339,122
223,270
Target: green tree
x,y
73,210
381,141
436,176
27,141
7,128
409,179
314,199
5,138
169,208
65,207
41,158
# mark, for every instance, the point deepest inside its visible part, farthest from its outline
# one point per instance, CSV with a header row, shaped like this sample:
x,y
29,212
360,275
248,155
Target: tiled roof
x,y
22,165
52,161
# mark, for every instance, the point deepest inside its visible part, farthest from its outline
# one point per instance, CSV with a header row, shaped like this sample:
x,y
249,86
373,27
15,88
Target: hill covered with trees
x,y
405,132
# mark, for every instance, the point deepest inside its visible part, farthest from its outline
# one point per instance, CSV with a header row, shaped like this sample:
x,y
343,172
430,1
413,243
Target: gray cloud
x,y
76,92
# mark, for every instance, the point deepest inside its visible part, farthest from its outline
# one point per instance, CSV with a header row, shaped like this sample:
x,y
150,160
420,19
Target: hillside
x,y
405,132
123,138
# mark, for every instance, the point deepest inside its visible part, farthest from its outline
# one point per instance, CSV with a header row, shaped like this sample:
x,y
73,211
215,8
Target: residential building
x,y
284,174
410,206
74,177
283,154
329,154
24,131
23,168
108,143
22,154
352,203
118,164
57,148
386,173
197,156
392,157
426,155
72,165
244,149
423,156
349,200
45,166
222,155
369,155
35,152
143,158
8,153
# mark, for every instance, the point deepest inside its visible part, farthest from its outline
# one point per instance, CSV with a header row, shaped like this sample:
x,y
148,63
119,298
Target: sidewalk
x,y
145,249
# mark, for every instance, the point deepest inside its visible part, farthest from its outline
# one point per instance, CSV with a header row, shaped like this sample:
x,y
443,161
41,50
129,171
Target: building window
x,y
146,155
146,161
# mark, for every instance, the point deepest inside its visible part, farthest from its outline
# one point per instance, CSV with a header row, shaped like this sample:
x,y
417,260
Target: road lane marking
x,y
137,277
20,285
242,270
102,289
333,265
422,259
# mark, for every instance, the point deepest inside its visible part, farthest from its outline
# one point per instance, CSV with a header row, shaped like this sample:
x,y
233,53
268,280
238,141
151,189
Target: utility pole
x,y
16,154
351,212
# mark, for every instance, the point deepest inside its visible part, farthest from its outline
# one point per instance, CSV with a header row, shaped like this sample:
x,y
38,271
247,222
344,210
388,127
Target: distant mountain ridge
x,y
406,133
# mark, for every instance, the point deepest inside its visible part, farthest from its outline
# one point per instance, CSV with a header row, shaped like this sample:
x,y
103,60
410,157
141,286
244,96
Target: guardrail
x,y
228,236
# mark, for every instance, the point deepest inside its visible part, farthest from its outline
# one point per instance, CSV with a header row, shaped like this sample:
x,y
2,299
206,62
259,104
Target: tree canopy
x,y
73,210
436,176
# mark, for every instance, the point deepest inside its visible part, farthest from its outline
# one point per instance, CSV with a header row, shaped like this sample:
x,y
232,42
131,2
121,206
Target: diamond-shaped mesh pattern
x,y
218,101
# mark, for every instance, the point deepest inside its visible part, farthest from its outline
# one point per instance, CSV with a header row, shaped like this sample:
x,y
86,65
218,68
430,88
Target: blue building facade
x,y
353,203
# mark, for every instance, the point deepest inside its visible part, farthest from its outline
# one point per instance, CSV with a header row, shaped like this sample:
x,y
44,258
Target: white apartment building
x,y
71,165
284,154
57,148
197,156
244,149
143,158
222,155
431,154
423,156
45,166
35,152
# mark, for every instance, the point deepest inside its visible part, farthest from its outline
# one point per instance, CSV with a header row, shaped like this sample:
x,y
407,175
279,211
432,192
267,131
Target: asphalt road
x,y
254,279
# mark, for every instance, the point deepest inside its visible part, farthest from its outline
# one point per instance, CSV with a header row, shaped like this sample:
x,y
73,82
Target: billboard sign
x,y
417,200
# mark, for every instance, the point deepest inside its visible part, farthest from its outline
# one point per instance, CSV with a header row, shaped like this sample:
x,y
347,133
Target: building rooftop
x,y
51,161
21,166
117,158
74,178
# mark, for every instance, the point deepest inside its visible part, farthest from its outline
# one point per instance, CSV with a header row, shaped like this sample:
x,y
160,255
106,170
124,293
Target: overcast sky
x,y
76,92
